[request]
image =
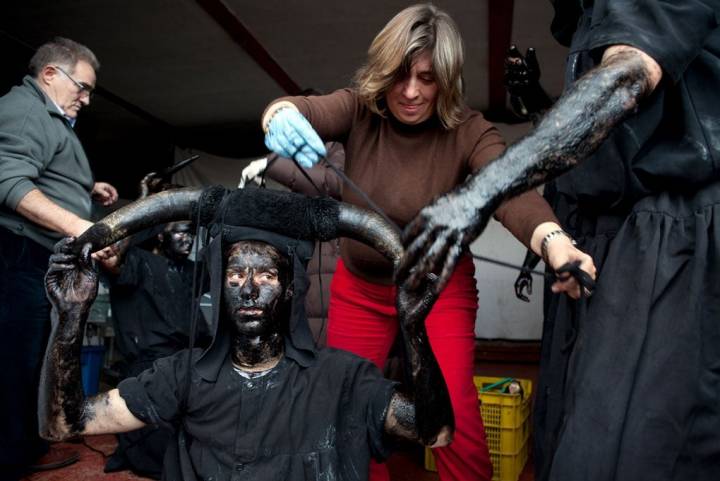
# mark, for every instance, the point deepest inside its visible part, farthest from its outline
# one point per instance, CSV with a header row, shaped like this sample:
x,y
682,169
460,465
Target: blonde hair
x,y
416,29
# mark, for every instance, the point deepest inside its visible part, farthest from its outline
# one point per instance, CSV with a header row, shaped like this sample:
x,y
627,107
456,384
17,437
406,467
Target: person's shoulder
x,y
350,98
345,93
474,121
338,359
474,130
347,96
177,361
23,102
329,354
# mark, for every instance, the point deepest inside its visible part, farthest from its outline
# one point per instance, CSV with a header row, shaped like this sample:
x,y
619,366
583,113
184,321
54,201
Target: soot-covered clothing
x,y
323,421
628,383
151,301
671,144
402,168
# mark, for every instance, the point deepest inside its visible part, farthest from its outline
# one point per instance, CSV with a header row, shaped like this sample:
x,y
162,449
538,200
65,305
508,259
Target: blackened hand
x,y
522,80
150,184
414,305
71,281
439,234
523,283
520,71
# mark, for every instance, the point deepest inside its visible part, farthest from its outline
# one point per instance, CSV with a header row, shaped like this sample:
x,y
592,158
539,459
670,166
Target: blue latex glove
x,y
291,135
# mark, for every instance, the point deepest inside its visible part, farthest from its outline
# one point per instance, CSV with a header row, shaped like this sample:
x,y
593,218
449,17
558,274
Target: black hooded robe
x,y
630,378
319,414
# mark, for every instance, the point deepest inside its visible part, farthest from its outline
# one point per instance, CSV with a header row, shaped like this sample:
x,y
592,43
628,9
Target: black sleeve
x,y
154,396
672,32
373,393
130,269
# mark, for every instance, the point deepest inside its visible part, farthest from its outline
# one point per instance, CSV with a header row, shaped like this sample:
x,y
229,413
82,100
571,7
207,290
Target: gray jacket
x,y
39,149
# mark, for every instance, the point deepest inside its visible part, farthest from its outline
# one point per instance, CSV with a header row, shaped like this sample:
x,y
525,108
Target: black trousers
x,y
24,331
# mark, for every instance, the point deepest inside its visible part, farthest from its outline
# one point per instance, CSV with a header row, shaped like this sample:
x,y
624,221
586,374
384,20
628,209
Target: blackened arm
x,y
570,132
63,410
400,421
425,413
579,122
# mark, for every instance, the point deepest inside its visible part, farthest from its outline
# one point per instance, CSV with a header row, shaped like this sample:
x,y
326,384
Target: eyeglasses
x,y
84,88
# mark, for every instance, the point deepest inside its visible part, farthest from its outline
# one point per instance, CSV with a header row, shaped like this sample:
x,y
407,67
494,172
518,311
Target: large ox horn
x,y
294,215
156,209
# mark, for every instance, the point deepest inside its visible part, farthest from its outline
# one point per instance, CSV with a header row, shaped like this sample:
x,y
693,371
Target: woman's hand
x,y
290,135
558,250
562,252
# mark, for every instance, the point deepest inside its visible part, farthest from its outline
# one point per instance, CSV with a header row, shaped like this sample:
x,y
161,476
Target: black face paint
x,y
177,240
255,302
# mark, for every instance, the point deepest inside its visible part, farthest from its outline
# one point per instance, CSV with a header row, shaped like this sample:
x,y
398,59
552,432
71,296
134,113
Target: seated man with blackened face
x,y
261,403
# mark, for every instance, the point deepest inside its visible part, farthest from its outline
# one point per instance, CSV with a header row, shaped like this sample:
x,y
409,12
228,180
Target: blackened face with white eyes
x,y
256,298
176,240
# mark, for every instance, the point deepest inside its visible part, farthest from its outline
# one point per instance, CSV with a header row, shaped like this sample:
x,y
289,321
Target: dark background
x,y
198,73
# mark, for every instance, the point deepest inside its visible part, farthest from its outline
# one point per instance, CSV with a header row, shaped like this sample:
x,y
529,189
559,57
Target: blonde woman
x,y
409,137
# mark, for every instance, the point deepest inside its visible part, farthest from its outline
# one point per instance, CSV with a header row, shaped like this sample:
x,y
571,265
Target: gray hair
x,y
63,51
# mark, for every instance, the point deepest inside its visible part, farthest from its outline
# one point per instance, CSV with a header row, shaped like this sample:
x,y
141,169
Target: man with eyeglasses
x,y
46,189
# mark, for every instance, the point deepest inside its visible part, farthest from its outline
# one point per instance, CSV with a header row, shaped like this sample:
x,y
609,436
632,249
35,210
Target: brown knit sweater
x,y
402,168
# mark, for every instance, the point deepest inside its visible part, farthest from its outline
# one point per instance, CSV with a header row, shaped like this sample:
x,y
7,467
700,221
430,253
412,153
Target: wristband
x,y
274,109
550,236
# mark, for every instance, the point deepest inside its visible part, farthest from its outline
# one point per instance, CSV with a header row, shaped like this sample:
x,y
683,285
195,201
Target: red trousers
x,y
362,319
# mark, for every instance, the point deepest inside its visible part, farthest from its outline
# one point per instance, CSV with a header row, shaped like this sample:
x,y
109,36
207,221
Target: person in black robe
x,y
629,380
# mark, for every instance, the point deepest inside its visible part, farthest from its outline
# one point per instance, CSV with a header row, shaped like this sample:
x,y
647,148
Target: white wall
x,y
501,315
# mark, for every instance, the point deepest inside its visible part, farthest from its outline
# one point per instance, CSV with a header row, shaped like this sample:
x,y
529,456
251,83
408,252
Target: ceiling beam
x,y
234,27
500,22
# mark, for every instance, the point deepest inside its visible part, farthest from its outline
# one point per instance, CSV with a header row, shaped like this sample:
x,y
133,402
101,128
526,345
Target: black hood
x,y
299,343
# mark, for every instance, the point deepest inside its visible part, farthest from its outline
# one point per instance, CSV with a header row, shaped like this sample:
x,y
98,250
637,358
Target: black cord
x,y
510,265
323,320
362,194
195,306
307,176
320,284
